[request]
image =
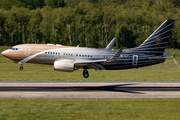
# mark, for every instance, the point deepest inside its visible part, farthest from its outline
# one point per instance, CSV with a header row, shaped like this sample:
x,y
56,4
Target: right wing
x,y
110,45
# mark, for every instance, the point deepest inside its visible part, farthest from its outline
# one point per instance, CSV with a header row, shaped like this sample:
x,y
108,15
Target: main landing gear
x,y
85,73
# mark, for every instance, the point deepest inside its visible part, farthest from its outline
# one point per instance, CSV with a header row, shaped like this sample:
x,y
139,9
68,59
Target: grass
x,y
88,109
167,71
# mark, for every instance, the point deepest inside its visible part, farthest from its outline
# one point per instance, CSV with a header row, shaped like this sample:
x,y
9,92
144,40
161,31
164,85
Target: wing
x,y
98,64
110,45
29,58
95,64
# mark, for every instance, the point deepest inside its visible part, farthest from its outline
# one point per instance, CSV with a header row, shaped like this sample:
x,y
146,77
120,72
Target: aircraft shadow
x,y
110,88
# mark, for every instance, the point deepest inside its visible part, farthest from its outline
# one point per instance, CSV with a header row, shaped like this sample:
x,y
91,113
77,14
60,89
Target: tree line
x,y
87,23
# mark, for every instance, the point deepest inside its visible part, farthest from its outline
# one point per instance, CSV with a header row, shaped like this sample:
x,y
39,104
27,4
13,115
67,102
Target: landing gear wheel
x,y
85,73
21,68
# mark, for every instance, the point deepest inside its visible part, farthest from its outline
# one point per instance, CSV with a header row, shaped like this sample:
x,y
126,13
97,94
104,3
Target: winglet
x,y
116,56
110,45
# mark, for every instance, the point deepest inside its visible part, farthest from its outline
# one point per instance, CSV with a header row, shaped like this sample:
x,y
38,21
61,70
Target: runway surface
x,y
85,90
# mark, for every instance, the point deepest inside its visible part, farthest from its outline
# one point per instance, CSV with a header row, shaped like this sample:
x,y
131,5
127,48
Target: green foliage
x,y
86,22
31,4
55,3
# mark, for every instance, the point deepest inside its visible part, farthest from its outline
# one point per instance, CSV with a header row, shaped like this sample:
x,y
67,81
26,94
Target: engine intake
x,y
64,65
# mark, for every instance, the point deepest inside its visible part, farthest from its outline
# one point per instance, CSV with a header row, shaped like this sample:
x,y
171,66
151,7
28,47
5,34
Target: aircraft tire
x,y
85,74
21,68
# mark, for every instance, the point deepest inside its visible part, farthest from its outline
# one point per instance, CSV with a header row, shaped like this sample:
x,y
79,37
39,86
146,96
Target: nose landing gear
x,y
85,73
21,68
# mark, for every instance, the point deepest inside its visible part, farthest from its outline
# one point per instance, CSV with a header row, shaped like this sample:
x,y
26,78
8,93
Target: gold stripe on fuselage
x,y
26,50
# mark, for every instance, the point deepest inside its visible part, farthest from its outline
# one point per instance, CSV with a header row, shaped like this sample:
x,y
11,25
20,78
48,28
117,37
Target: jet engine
x,y
64,65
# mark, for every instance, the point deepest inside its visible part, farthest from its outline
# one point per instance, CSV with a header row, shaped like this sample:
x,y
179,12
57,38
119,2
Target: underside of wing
x,y
88,61
91,64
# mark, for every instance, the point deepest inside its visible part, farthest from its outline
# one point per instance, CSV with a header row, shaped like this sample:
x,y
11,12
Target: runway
x,y
89,90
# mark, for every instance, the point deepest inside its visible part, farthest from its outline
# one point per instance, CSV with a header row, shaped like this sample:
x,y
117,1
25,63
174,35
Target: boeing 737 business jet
x,y
68,58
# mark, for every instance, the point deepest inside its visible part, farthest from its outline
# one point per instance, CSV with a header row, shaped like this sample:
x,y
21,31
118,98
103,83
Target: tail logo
x,y
157,39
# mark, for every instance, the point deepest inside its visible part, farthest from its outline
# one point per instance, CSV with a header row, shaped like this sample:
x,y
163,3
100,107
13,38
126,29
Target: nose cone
x,y
5,53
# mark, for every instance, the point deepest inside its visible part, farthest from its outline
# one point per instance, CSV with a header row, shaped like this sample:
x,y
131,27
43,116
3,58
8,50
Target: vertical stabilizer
x,y
156,43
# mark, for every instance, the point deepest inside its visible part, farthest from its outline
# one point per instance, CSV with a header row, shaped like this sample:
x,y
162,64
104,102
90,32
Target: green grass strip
x,y
88,109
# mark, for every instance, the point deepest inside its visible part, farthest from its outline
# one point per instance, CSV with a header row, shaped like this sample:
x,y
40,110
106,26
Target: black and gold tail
x,y
156,43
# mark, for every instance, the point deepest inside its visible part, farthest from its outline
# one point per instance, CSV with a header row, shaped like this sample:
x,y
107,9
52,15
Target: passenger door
x,y
27,50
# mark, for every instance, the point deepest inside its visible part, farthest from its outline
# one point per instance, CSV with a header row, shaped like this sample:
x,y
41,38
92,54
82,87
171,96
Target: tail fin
x,y
156,43
110,45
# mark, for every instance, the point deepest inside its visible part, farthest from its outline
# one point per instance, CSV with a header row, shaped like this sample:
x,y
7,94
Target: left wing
x,y
95,64
29,58
98,64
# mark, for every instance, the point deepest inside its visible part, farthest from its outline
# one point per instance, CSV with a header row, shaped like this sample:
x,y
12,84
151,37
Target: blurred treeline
x,y
91,23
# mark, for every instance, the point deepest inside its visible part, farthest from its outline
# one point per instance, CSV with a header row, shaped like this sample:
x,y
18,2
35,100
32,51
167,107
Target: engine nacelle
x,y
64,65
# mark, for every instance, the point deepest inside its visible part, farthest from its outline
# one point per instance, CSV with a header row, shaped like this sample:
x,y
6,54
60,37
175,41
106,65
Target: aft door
x,y
135,60
27,50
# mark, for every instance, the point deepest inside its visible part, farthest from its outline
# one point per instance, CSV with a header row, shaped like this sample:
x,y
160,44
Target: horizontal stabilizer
x,y
163,57
166,54
159,58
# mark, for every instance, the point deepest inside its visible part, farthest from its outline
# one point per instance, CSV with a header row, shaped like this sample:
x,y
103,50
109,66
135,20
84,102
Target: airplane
x,y
69,58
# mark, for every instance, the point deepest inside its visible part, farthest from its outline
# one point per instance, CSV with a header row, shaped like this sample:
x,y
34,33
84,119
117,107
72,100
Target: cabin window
x,y
80,55
45,52
71,54
76,55
85,55
58,53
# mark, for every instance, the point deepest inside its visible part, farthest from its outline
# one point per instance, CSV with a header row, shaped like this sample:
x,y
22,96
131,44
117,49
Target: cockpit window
x,y
14,48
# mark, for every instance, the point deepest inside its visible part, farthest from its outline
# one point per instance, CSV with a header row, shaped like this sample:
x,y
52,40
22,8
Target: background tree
x,y
87,23
55,3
